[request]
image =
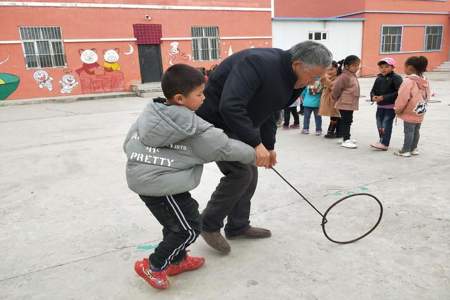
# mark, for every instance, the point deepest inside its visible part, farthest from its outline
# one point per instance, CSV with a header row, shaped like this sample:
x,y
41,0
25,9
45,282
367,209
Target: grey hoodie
x,y
167,146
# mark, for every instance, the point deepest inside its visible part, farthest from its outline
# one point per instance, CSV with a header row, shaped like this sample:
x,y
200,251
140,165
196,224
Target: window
x,y
317,36
43,47
205,43
391,39
433,38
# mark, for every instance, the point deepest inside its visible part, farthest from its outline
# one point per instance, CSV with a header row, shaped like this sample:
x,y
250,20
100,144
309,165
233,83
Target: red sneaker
x,y
189,263
158,280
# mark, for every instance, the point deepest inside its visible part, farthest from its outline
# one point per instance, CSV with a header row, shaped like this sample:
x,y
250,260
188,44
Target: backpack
x,y
422,105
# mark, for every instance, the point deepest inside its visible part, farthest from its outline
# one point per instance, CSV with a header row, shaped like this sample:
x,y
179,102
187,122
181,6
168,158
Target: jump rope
x,y
324,215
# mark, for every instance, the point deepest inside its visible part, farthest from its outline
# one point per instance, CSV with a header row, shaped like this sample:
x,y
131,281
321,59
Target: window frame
x,y
425,42
382,38
197,41
321,32
50,43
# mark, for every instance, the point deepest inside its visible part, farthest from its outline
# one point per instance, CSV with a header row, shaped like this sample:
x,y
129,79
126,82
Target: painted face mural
x,y
174,48
88,56
43,79
8,84
111,55
111,58
68,83
96,78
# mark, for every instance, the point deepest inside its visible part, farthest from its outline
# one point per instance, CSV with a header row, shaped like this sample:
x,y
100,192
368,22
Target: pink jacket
x,y
413,91
346,91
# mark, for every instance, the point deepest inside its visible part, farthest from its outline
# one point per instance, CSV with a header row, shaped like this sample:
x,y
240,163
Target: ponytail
x,y
340,66
348,61
419,63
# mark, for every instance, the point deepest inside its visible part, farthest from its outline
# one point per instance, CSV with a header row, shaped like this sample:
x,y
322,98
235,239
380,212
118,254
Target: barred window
x,y
317,35
433,38
391,39
205,43
43,47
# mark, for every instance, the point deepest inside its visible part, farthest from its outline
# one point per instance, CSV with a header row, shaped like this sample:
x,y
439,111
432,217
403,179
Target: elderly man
x,y
242,95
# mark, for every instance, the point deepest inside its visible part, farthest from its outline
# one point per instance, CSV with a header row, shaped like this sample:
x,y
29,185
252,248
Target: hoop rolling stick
x,y
324,215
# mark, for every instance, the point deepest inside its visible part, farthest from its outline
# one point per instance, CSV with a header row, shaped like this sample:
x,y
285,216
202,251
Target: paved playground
x,y
71,229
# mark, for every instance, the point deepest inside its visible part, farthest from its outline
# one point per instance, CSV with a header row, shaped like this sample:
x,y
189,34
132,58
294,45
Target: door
x,y
150,63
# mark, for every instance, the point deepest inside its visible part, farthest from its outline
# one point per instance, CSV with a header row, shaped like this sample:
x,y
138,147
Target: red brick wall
x,y
104,23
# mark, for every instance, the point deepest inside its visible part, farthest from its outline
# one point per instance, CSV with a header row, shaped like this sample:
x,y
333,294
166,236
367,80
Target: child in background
x,y
326,102
411,103
166,149
292,109
311,102
346,94
384,92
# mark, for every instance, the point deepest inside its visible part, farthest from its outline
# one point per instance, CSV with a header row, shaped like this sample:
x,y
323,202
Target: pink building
x,y
370,28
59,48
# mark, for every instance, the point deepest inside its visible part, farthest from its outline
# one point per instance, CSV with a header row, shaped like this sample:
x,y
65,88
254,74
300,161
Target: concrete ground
x,y
71,229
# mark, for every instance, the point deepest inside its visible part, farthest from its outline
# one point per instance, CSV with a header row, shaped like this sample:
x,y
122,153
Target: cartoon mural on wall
x,y
68,82
5,60
130,50
230,51
43,79
176,55
95,78
8,84
111,58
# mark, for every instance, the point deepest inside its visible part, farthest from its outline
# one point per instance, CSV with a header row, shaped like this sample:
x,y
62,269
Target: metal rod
x,y
304,198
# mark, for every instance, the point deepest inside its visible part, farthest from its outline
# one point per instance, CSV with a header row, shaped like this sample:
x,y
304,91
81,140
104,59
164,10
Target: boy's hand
x,y
273,158
262,156
378,98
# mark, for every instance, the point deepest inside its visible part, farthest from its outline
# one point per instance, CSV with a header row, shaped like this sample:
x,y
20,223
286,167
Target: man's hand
x,y
273,158
262,156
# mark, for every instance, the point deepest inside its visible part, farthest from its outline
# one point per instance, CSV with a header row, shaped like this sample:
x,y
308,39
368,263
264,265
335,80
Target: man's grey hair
x,y
312,54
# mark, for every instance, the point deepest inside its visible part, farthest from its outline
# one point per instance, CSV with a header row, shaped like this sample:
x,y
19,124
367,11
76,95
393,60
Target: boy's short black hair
x,y
382,62
181,79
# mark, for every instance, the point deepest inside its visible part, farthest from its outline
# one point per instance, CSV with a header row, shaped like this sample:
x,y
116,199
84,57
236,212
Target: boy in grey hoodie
x,y
166,149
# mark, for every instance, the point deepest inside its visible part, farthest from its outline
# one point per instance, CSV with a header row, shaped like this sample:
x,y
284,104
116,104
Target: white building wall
x,y
343,37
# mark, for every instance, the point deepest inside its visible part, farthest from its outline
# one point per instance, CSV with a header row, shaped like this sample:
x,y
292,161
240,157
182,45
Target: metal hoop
x,y
324,218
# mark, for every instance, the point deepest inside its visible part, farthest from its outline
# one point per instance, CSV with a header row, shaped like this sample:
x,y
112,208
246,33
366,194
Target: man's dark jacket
x,y
244,92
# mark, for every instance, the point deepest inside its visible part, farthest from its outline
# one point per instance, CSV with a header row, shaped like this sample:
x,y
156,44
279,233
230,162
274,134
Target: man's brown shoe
x,y
252,233
216,241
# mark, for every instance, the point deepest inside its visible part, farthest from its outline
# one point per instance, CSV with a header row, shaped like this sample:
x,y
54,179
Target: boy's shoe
x,y
415,152
349,144
319,132
305,131
189,263
379,146
402,153
294,126
285,126
330,135
216,241
158,280
251,233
